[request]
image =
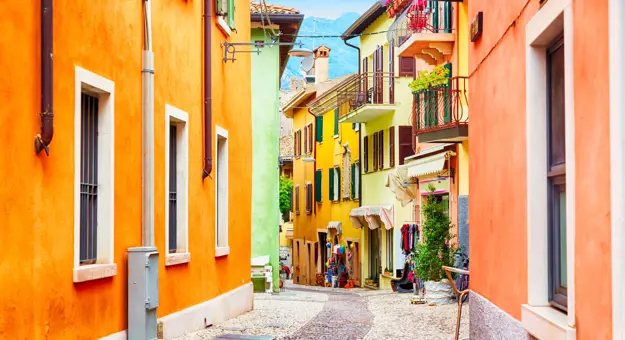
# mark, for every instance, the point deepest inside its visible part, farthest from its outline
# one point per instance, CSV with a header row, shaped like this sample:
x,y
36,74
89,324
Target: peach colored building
x,y
547,135
68,218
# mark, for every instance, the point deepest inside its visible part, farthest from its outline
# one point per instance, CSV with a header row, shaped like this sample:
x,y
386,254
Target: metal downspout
x,y
208,94
359,132
147,96
43,139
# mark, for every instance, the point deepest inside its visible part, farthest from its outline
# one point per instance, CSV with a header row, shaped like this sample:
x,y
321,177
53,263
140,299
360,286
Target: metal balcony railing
x,y
422,16
375,88
441,107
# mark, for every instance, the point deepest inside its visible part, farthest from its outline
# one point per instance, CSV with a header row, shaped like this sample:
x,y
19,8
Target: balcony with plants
x,y
424,29
367,96
440,110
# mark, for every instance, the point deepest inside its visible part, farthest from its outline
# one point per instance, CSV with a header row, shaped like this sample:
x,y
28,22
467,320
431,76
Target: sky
x,y
331,9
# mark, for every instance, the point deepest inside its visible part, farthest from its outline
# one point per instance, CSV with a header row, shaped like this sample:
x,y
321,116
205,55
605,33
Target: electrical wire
x,y
349,36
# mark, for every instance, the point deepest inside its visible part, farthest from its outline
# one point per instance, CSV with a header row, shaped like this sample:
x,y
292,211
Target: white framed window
x,y
221,193
94,176
176,186
336,183
550,313
347,175
225,15
356,180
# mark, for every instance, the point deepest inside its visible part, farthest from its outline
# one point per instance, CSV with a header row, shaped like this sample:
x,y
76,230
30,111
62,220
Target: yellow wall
x,y
305,226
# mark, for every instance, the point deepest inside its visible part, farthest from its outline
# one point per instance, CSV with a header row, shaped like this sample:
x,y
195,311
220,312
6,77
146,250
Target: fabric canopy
x,y
336,225
399,183
428,165
374,216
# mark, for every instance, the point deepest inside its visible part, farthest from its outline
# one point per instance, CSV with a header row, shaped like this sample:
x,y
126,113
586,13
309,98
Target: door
x,y
296,261
356,263
305,264
374,255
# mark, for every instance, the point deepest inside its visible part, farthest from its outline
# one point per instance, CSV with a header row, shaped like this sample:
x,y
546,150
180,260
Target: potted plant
x,y
435,251
387,271
426,80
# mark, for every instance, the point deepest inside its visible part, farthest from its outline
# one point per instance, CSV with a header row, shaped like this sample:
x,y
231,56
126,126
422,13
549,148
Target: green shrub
x,y
286,188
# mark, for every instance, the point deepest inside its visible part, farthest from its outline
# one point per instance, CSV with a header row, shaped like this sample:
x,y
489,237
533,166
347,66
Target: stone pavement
x,y
303,312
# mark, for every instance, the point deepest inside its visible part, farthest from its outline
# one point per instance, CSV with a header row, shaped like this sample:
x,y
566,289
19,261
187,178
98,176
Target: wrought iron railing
x,y
422,16
441,107
364,89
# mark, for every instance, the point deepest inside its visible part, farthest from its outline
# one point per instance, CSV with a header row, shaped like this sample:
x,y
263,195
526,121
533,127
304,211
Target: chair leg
x,y
459,314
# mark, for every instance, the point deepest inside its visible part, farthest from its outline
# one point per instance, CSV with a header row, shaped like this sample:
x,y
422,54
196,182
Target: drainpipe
x,y
147,96
208,97
43,139
359,129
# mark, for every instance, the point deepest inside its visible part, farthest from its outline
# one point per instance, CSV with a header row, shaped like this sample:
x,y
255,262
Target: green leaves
x,y
436,249
425,80
286,190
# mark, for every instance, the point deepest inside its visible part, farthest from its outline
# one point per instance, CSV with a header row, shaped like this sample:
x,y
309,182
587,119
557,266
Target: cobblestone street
x,y
302,312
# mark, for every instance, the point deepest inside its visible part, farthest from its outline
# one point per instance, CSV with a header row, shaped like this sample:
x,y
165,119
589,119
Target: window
x,y
309,198
318,175
225,10
389,250
335,184
391,146
375,151
308,141
323,239
407,66
405,143
356,180
311,145
297,143
378,150
336,122
366,154
176,186
556,175
221,193
319,128
346,186
356,126
297,199
94,181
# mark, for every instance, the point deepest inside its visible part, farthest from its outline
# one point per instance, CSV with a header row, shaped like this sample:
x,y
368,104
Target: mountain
x,y
343,59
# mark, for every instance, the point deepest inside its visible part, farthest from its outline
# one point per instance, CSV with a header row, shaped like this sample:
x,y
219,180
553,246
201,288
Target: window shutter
x,y
365,79
391,144
339,182
366,154
336,121
407,66
308,198
405,143
297,199
219,8
354,180
331,186
391,70
318,174
310,139
319,128
231,10
375,151
381,150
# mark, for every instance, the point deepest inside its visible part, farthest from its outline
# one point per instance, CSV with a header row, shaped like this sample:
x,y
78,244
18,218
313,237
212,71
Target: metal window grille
x,y
89,179
173,205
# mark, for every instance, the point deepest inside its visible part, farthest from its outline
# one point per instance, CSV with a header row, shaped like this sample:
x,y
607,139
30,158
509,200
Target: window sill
x,y
221,22
546,323
177,258
94,272
222,251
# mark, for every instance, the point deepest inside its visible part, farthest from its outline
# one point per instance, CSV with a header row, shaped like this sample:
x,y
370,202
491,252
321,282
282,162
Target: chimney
x,y
322,58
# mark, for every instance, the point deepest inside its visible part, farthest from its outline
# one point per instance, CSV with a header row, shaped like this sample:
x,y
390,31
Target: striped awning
x,y
428,165
336,225
373,216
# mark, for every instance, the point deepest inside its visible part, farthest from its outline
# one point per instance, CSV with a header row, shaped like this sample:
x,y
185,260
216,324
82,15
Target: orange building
x,y
547,135
68,218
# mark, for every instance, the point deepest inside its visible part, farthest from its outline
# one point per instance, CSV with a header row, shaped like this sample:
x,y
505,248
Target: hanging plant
x,y
425,79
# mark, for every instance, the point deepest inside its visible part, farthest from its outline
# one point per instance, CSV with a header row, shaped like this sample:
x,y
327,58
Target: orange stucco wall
x,y
498,162
38,297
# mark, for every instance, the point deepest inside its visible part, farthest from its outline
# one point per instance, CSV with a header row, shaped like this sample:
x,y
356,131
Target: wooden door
x,y
296,261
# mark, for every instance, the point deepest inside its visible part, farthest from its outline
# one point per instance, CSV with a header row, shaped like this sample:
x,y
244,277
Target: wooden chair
x,y
461,294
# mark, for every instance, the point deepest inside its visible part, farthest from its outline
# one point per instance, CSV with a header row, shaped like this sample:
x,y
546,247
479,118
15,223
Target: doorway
x,y
374,255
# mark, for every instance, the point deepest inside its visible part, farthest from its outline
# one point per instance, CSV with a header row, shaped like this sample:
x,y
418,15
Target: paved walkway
x,y
303,312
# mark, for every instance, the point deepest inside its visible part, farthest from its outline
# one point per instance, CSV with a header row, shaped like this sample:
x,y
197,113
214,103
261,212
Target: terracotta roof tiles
x,y
255,8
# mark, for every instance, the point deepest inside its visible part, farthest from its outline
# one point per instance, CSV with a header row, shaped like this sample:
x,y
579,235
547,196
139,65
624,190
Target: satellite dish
x,y
308,63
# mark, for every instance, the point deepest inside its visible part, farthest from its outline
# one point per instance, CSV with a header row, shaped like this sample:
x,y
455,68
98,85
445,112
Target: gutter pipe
x,y
43,139
345,38
147,105
208,95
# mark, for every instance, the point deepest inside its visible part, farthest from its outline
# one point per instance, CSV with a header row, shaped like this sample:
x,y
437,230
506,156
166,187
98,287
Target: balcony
x,y
366,97
441,114
425,30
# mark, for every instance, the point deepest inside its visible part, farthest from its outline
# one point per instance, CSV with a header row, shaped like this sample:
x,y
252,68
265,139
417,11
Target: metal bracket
x,y
230,49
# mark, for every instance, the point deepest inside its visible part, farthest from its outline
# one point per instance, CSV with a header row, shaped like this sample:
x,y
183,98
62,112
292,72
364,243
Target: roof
x,y
364,21
255,7
288,19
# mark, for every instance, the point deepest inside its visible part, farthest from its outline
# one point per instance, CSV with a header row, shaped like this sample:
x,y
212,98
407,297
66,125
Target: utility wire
x,y
340,36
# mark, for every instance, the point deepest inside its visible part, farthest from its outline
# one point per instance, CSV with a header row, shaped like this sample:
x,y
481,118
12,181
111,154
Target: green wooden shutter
x,y
231,10
447,97
447,9
338,173
354,180
319,128
331,178
318,182
336,121
219,6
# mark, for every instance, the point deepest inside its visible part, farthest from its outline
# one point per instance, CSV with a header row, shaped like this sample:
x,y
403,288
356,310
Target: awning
x,y
335,225
400,184
428,165
374,216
